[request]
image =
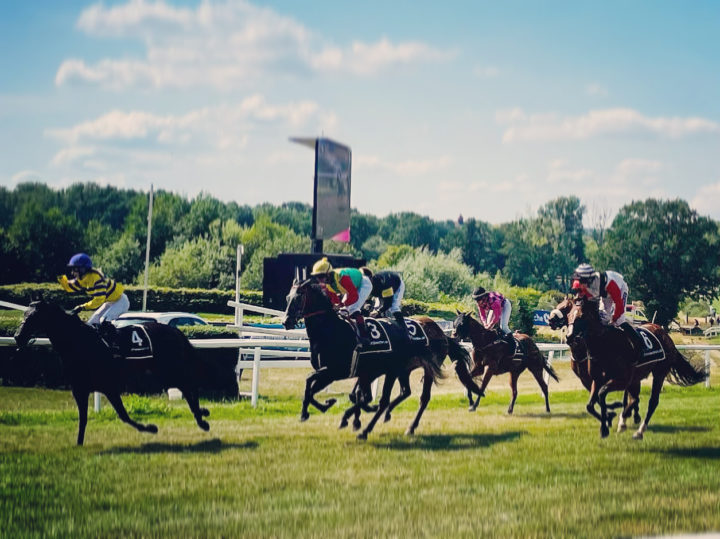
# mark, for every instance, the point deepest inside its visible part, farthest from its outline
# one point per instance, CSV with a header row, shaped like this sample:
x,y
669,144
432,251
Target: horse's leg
x,y
390,379
513,388
537,372
117,403
590,406
354,409
192,397
636,405
487,375
605,421
466,379
657,384
382,406
314,383
424,400
81,399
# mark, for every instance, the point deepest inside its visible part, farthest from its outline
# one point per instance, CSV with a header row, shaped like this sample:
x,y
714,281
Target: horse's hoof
x,y
410,431
204,412
637,419
362,436
387,417
343,423
357,425
204,425
329,403
472,408
604,432
304,417
638,436
151,428
510,411
622,427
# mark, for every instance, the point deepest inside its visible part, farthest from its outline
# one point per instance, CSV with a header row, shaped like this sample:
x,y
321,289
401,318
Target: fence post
x,y
707,368
256,377
546,374
98,404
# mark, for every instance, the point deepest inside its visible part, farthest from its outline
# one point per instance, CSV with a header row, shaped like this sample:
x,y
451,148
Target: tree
x,y
560,222
665,251
124,260
197,263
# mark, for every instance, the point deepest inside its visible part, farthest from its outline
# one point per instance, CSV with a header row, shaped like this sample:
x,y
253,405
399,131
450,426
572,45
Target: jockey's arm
x,y
613,291
351,293
387,298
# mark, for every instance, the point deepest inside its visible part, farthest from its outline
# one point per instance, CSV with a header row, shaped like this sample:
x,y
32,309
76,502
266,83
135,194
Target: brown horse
x,y
581,367
492,356
611,368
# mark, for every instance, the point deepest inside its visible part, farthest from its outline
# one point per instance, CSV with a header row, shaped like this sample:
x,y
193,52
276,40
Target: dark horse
x,y
492,356
581,366
332,346
90,365
611,352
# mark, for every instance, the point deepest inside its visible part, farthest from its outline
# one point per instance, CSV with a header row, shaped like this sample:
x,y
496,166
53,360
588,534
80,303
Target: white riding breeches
x,y
110,311
363,294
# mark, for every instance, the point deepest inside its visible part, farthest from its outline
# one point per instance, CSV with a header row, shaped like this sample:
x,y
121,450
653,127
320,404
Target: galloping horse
x,y
90,365
493,357
332,347
610,353
580,365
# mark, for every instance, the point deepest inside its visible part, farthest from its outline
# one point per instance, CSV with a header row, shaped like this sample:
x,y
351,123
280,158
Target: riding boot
x,y
400,320
361,329
636,342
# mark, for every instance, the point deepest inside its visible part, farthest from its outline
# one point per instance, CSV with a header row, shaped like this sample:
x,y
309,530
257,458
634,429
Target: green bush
x,y
159,298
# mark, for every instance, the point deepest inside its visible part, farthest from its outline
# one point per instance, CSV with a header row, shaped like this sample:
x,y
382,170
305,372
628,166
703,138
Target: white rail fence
x,y
270,348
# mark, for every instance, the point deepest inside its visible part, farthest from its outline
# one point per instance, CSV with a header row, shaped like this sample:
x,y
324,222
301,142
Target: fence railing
x,y
289,348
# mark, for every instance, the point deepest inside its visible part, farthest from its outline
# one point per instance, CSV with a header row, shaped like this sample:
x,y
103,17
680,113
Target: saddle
x,y
129,342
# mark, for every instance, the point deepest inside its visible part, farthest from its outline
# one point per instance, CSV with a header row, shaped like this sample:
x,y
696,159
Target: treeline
x,y
665,250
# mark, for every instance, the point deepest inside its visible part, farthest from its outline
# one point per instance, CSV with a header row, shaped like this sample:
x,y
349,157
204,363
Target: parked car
x,y
635,315
173,319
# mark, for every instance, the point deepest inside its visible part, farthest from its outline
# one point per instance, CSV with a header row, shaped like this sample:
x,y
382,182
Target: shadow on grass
x,y
677,428
692,452
207,446
446,442
546,415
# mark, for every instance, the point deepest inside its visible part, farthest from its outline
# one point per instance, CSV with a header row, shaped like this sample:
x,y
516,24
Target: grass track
x,y
260,473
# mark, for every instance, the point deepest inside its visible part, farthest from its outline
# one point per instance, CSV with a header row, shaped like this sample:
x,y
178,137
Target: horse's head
x,y
584,316
35,320
461,325
558,316
305,298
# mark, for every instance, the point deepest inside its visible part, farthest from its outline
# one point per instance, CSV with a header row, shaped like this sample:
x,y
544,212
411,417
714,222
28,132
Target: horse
x,y
333,356
91,365
610,352
580,365
492,356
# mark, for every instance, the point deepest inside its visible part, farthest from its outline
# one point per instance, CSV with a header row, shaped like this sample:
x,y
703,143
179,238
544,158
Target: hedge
x,y
192,300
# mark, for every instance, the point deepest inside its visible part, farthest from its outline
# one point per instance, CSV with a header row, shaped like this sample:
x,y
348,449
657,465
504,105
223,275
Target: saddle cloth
x,y
653,350
134,342
379,336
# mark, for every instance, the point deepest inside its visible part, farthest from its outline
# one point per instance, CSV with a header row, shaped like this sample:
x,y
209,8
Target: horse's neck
x,y
479,336
63,332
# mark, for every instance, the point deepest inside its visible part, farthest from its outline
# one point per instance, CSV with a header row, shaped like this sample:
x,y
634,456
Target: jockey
x,y
348,288
493,309
388,289
610,289
107,296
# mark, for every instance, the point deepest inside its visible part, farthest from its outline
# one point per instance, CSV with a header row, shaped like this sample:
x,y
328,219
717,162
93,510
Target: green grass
x,y
261,473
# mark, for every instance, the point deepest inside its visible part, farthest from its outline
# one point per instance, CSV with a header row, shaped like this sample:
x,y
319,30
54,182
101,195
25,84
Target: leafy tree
x,y
410,229
169,211
203,211
560,222
666,251
373,247
104,204
99,236
197,263
124,260
42,242
362,227
393,254
435,277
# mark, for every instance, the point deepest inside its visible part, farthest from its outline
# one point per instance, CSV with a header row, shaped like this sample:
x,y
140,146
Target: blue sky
x,y
485,109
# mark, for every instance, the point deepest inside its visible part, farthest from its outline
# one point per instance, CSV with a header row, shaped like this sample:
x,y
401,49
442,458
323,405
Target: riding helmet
x,y
321,267
80,261
583,272
478,292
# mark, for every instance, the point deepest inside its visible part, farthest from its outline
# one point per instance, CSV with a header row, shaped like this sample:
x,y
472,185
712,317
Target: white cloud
x,y
486,72
560,171
596,90
411,167
547,127
223,45
26,176
707,200
221,127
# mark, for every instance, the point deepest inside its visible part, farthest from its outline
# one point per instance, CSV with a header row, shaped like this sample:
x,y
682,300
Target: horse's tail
x,y
531,348
432,363
457,352
683,373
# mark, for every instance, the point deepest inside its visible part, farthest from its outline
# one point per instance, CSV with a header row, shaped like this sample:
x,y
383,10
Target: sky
x,y
483,109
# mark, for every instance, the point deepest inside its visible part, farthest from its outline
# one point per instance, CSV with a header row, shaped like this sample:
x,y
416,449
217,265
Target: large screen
x,y
331,216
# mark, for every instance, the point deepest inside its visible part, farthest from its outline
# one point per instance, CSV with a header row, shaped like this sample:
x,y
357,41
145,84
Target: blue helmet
x,y
80,261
